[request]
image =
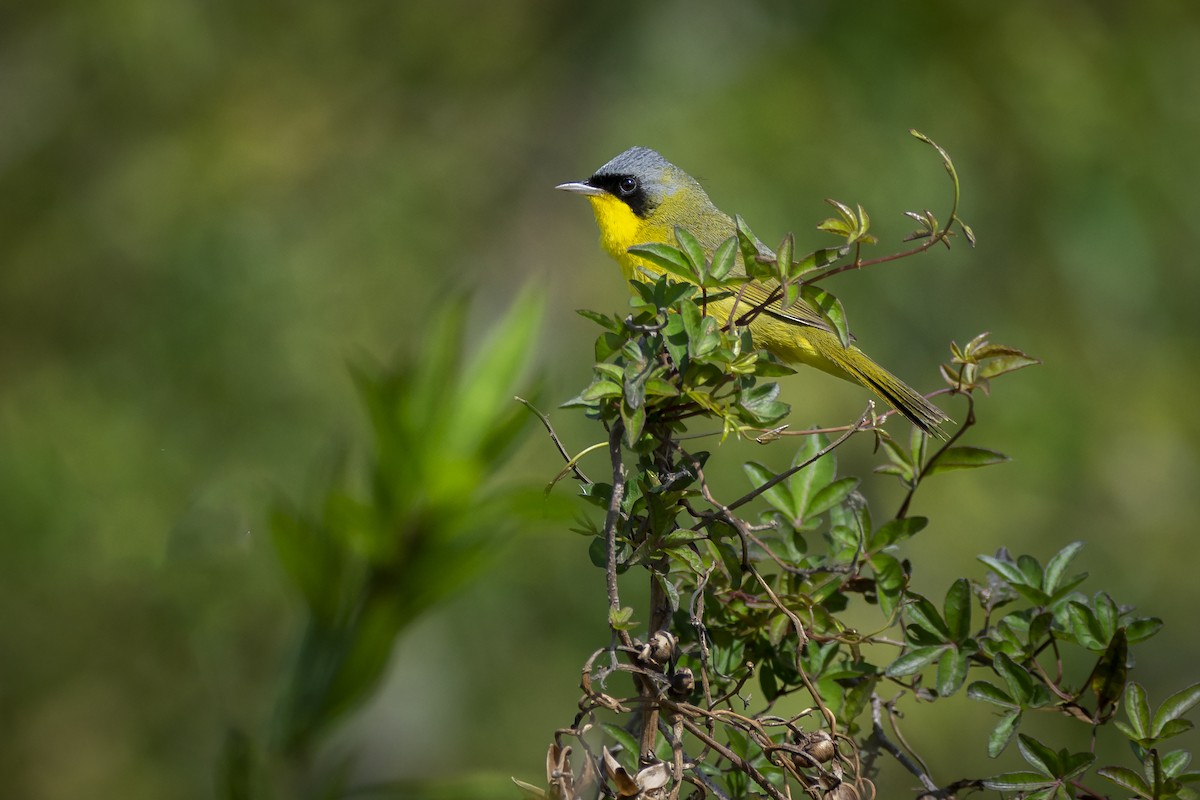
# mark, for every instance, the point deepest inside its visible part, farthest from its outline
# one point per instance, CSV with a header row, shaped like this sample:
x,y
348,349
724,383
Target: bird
x,y
639,197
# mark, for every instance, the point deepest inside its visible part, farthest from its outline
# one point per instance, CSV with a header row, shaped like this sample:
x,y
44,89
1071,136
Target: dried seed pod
x,y
660,650
683,683
843,791
820,746
816,748
654,777
619,777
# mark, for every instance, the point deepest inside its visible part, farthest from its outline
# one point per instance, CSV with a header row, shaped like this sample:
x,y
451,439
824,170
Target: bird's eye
x,y
628,186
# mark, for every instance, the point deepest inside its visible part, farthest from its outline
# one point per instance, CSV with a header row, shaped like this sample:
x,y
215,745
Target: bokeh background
x,y
208,208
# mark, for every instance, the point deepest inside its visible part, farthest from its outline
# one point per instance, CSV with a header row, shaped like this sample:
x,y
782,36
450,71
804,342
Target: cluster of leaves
x,y
764,594
668,361
1059,774
756,587
396,533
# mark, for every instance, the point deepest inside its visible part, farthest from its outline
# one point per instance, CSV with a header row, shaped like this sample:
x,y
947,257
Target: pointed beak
x,y
581,188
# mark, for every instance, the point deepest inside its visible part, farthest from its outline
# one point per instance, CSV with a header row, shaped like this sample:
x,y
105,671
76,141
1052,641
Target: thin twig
x,y
571,462
877,733
746,498
611,521
733,758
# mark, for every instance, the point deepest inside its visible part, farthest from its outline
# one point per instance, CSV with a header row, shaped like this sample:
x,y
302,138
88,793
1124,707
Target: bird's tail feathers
x,y
898,394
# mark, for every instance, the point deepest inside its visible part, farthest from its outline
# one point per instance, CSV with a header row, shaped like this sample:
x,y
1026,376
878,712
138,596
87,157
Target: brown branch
x,y
611,521
732,758
880,737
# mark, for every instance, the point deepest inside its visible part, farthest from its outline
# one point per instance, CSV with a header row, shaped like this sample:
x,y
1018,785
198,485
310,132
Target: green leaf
x,y
923,613
1055,791
1086,627
621,619
897,530
777,629
692,318
657,387
724,258
990,693
964,457
1152,771
689,557
1042,758
783,259
1016,782
486,384
958,610
816,476
766,368
1003,733
1005,569
1075,764
603,320
896,453
791,293
952,670
914,661
596,552
621,737
1107,615
1039,628
681,537
996,367
1175,707
675,335
1108,678
778,496
835,225
1031,568
1126,779
768,681
599,390
748,246
668,258
635,420
692,250
1174,728
830,310
707,338
1020,682
829,496
1141,629
1137,709
760,403
669,590
817,259
607,344
1057,565
967,232
609,370
889,581
1175,762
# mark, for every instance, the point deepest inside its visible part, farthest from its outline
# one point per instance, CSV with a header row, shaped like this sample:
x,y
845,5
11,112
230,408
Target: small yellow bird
x,y
639,197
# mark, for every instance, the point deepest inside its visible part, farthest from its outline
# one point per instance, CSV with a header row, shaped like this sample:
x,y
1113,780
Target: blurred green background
x,y
209,207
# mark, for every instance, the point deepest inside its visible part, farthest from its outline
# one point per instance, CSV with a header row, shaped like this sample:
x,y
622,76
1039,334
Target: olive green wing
x,y
756,293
